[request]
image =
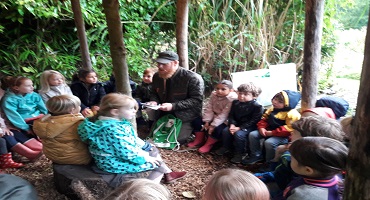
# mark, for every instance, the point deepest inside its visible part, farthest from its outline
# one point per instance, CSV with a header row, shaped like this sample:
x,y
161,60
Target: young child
x,y
89,90
275,126
115,146
6,160
310,126
58,131
317,160
235,184
243,117
140,189
22,105
215,115
17,140
143,95
53,84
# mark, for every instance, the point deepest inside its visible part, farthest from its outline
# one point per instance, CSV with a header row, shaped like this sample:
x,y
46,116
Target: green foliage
x,y
354,76
353,14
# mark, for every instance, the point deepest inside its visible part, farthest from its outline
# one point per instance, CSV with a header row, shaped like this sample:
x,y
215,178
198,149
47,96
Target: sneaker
x,y
221,151
266,176
173,176
237,159
251,160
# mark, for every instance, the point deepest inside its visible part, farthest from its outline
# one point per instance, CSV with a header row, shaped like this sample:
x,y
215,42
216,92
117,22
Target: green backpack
x,y
166,131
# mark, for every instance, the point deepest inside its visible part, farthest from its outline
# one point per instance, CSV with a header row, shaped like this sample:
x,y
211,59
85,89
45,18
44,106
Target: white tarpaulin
x,y
272,80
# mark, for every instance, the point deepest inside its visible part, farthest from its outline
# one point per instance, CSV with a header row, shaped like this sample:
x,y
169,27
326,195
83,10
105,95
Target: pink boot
x,y
208,145
199,139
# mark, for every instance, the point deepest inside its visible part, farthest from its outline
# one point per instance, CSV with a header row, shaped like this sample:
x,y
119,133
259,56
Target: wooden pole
x,y
81,34
312,52
357,183
117,46
182,12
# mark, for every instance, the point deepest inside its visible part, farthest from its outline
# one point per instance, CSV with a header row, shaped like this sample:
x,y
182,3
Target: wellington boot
x,y
26,152
199,139
6,161
33,144
208,145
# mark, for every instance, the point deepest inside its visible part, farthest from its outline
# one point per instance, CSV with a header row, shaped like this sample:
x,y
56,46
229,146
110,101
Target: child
x,y
317,160
140,189
89,90
115,146
235,184
275,126
53,84
58,131
6,160
215,115
17,140
243,117
110,85
310,126
143,94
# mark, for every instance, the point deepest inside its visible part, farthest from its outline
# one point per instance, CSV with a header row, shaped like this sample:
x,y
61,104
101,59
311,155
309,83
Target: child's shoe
x,y
173,176
208,145
199,139
221,151
252,160
6,161
237,159
265,176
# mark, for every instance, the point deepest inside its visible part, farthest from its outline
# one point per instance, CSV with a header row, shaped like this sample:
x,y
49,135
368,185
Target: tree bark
x,y
81,34
182,12
312,52
357,184
117,46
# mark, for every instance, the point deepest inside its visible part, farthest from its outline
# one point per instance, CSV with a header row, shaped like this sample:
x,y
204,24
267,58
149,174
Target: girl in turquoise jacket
x,y
114,144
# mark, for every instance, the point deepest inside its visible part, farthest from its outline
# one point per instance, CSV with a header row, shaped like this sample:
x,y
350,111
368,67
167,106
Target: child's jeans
x,y
271,143
240,139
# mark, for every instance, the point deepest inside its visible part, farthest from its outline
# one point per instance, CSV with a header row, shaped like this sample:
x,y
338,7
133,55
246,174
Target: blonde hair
x,y
63,104
114,101
44,80
347,126
235,184
138,189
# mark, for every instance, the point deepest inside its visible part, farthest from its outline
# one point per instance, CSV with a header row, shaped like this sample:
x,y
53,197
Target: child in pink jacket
x,y
214,116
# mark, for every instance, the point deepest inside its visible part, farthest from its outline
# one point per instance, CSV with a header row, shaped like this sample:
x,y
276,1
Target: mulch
x,y
200,167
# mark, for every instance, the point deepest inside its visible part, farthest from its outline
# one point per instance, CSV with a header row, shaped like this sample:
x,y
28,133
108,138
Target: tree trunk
x,y
81,34
117,46
182,10
312,51
357,184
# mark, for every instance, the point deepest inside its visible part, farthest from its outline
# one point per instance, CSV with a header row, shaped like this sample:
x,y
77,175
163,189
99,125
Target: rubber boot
x,y
6,161
33,144
199,139
208,145
26,152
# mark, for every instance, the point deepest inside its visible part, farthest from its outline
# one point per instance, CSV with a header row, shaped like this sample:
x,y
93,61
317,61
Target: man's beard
x,y
167,74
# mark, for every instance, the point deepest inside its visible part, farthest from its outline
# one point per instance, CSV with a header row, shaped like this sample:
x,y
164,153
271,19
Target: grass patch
x,y
353,76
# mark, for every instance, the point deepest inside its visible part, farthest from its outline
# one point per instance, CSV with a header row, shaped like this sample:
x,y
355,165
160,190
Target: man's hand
x,y
166,107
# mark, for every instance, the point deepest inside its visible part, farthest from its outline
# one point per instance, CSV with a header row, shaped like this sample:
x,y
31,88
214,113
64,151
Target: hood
x,y
337,104
52,126
291,98
322,111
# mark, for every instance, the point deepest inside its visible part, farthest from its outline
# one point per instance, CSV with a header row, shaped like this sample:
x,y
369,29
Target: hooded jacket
x,y
55,91
61,142
217,109
279,121
18,107
184,90
114,146
245,115
89,97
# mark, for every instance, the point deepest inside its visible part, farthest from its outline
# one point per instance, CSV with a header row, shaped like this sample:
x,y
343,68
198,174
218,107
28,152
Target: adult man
x,y
179,91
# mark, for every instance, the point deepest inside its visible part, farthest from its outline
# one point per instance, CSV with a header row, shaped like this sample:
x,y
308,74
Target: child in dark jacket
x,y
243,117
89,91
317,160
275,126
